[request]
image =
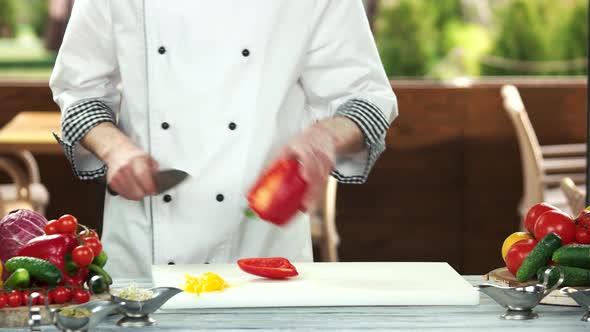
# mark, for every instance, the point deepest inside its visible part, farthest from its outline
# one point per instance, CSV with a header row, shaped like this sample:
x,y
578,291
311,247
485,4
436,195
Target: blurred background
x,y
457,174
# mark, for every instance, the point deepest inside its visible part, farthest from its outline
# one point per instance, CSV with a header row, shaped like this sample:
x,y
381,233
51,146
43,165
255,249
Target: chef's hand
x,y
316,148
130,169
131,173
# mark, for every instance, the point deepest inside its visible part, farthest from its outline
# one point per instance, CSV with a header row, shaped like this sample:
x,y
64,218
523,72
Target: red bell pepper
x,y
278,194
272,267
53,248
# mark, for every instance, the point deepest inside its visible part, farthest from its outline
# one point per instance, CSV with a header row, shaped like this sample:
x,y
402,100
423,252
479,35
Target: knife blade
x,y
164,179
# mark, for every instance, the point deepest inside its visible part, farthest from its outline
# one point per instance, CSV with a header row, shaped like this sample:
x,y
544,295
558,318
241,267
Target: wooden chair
x,y
323,224
543,167
576,197
26,190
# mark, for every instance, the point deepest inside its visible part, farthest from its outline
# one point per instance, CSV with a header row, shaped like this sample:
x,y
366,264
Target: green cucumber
x,y
573,276
101,259
39,269
19,278
575,255
99,271
538,257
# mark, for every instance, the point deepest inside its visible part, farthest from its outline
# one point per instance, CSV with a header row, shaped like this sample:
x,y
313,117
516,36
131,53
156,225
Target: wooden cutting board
x,y
19,316
325,284
503,276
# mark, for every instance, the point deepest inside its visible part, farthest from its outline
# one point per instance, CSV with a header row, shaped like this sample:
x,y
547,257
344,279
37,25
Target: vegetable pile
x,y
57,263
553,238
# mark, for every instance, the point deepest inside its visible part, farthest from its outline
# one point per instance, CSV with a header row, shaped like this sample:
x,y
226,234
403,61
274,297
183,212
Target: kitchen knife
x,y
164,179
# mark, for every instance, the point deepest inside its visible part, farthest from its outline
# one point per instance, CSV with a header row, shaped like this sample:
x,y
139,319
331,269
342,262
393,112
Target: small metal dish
x,y
520,301
99,310
137,313
582,297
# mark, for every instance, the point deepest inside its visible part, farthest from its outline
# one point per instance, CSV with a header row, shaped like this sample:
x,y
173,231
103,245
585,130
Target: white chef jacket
x,y
214,88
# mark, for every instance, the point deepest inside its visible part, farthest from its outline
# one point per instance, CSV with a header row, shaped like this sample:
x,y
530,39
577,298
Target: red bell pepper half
x,y
272,267
278,194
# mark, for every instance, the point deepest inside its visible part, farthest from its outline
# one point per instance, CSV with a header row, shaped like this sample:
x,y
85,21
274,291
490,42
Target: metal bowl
x,y
136,313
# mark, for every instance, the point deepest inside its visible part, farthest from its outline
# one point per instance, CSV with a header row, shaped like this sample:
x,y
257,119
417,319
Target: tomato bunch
x,y
59,295
90,245
540,220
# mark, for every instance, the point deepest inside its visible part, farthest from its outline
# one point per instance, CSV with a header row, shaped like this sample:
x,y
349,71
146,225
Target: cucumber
x,y
99,271
101,259
38,269
19,278
573,276
538,257
575,255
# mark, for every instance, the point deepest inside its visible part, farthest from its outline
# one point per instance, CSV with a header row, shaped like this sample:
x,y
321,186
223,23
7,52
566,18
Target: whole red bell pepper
x,y
53,248
277,195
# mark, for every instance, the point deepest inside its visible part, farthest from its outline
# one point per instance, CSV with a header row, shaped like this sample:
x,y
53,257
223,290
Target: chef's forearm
x,y
346,135
104,138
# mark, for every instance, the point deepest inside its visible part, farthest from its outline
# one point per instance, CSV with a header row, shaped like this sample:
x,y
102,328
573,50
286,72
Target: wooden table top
x,y
32,131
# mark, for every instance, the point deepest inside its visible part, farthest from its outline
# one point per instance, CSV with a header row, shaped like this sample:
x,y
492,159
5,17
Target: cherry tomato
x,y
49,297
60,295
583,236
82,255
583,219
67,224
517,254
51,227
41,298
534,213
26,295
15,299
84,234
3,300
558,222
94,245
80,295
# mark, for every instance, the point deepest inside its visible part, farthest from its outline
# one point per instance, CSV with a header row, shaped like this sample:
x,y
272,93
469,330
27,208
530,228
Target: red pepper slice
x,y
271,267
278,194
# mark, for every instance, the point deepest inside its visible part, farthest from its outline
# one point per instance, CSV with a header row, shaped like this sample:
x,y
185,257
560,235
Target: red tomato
x,y
84,234
60,295
3,300
51,227
517,254
15,299
67,224
25,296
534,213
80,295
583,236
273,267
558,222
82,255
94,245
583,219
41,298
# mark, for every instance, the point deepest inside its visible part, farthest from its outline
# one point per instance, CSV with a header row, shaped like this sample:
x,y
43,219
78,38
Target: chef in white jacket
x,y
218,89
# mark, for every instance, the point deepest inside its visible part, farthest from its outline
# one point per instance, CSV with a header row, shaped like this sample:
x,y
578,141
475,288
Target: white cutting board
x,y
324,284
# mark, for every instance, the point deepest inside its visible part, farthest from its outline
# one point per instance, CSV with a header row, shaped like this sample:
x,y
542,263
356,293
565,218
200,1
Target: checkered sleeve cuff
x,y
76,123
370,119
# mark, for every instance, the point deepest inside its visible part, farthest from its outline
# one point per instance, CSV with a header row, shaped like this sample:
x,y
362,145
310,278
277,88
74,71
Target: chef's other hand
x,y
316,148
131,173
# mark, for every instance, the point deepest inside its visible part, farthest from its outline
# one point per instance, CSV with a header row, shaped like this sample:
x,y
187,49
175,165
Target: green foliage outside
x,y
435,38
405,38
7,18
